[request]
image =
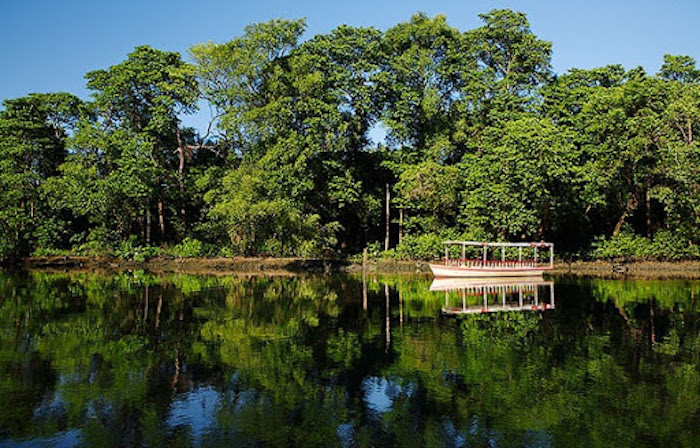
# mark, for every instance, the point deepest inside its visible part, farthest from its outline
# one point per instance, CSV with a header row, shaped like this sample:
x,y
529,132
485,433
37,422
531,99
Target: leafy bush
x,y
49,252
130,250
665,245
50,234
188,248
99,241
430,246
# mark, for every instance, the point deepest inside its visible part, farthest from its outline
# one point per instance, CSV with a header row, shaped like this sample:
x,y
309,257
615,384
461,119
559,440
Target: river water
x,y
135,359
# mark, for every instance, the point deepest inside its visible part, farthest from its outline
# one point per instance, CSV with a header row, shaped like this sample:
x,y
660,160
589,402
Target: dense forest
x,y
456,134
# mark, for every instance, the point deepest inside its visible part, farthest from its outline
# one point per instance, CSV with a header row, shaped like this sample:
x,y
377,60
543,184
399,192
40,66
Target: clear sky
x,y
49,45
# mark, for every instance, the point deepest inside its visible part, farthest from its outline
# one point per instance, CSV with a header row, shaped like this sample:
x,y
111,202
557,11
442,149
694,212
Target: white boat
x,y
507,266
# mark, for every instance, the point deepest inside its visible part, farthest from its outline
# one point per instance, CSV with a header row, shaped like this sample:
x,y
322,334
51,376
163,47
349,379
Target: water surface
x,y
135,359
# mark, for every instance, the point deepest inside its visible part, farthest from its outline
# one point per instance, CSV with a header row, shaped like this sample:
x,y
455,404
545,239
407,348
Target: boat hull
x,y
442,271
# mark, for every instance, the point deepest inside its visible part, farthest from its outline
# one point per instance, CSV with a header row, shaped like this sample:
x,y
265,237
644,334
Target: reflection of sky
x,y
380,393
60,440
376,394
195,410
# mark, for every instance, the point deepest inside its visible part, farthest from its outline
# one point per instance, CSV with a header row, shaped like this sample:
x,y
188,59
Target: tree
x,y
33,132
517,187
144,96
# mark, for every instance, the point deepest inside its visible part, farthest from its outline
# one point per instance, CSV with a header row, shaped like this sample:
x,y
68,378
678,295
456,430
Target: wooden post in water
x,y
388,320
364,279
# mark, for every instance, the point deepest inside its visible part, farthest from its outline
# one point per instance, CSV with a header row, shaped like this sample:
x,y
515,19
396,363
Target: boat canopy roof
x,y
497,244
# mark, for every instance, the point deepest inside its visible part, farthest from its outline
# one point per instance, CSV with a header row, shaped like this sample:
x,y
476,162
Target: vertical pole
x,y
503,253
400,224
364,279
447,254
388,320
520,256
484,258
551,294
535,256
464,254
520,295
551,256
388,217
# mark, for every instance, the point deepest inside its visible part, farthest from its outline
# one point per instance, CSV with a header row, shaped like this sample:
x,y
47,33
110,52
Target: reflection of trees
x,y
291,360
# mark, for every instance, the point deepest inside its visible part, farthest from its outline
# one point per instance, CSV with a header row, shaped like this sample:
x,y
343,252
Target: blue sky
x,y
49,45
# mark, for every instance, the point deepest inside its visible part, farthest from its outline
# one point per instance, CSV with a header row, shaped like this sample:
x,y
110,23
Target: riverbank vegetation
x,y
464,133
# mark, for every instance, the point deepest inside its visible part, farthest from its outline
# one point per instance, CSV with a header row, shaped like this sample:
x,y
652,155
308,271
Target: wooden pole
x,y
364,279
400,224
388,217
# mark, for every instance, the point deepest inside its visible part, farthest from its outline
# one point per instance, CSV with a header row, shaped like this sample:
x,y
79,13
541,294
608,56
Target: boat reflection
x,y
492,295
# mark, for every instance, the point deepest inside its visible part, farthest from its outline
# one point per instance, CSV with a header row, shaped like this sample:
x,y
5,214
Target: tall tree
x,y
33,132
145,97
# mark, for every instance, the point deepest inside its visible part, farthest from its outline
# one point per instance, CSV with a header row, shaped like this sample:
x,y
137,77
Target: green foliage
x,y
665,245
188,248
98,241
129,249
425,246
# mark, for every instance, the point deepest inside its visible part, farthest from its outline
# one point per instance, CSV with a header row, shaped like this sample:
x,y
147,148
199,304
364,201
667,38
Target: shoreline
x,y
287,266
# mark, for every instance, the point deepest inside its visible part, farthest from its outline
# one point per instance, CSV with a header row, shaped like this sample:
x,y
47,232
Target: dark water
x,y
142,360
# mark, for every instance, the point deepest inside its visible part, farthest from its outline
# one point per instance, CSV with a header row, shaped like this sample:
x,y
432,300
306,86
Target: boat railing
x,y
476,263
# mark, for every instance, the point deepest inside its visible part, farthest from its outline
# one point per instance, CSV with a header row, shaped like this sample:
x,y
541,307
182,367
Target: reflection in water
x,y
491,295
140,360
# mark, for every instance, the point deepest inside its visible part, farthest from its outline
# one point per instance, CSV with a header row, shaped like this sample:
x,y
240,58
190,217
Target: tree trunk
x,y
161,219
631,204
400,224
181,176
648,213
148,225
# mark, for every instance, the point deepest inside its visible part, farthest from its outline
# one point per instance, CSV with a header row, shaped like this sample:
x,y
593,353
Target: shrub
x,y
188,248
99,241
130,250
665,245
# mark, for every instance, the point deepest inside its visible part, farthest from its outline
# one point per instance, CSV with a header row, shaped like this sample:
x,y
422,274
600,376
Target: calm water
x,y
142,360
